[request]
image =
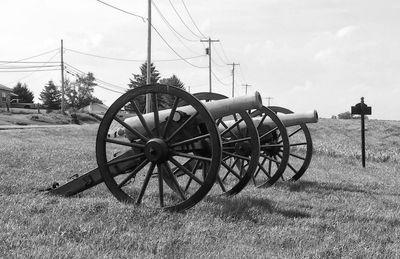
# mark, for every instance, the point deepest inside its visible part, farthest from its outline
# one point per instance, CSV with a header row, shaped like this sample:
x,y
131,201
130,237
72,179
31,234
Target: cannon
x,y
277,146
172,156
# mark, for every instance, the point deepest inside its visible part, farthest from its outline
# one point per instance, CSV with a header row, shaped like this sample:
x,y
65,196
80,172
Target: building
x,y
5,94
95,108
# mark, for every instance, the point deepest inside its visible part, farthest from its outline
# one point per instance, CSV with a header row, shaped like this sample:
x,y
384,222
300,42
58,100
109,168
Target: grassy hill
x,y
19,116
338,209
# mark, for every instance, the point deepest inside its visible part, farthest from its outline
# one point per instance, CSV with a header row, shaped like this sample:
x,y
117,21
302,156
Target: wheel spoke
x,y
230,170
189,141
182,126
235,155
132,130
154,103
268,174
262,121
160,185
145,183
133,173
298,144
175,182
296,156
221,184
236,141
193,172
123,143
269,132
189,173
141,118
227,173
269,158
170,117
121,160
176,153
271,145
294,132
236,124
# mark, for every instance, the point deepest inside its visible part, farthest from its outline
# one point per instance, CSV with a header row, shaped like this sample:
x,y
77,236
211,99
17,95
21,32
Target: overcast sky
x,y
308,54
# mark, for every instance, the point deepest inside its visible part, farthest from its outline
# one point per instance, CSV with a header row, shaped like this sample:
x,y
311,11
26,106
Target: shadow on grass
x,y
323,188
248,208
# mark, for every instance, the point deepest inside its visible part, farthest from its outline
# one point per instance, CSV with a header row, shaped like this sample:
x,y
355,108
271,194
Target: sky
x,y
303,55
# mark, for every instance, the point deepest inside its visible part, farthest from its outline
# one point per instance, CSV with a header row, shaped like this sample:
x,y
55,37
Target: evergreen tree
x,y
51,96
24,94
140,80
167,100
173,81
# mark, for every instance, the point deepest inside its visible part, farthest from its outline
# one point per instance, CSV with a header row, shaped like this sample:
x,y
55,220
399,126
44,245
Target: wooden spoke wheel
x,y
136,151
240,148
274,147
301,148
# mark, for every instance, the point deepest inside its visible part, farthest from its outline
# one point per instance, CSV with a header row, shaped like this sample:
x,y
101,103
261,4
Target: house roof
x,y
5,88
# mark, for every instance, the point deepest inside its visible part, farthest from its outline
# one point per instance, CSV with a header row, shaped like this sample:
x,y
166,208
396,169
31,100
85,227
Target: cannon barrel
x,y
288,120
217,109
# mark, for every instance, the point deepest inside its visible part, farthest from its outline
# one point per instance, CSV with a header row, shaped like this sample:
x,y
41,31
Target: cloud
x,y
323,54
345,31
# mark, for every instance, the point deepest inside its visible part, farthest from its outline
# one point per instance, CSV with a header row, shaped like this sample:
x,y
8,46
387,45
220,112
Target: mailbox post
x,y
362,109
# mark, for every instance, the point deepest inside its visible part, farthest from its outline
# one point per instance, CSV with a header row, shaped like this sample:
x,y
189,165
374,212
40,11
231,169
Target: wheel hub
x,y
156,150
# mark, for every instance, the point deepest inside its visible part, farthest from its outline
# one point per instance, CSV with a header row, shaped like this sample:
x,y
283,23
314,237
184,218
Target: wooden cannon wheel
x,y
240,148
301,148
274,148
154,143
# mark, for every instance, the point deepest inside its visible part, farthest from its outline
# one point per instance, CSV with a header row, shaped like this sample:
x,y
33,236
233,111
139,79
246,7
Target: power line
x,y
121,10
35,56
223,51
129,60
191,18
29,70
180,18
26,76
169,25
159,34
79,73
27,67
219,80
27,62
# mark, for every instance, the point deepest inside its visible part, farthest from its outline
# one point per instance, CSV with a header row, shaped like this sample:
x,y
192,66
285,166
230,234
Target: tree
x,y
141,80
51,96
167,100
79,93
173,81
24,94
85,90
345,116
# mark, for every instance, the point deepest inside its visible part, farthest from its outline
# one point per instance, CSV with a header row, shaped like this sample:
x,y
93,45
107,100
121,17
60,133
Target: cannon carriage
x,y
173,155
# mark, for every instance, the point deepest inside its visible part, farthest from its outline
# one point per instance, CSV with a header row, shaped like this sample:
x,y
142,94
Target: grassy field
x,y
338,209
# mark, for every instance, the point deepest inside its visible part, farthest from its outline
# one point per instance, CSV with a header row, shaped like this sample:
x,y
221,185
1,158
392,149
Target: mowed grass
x,y
338,209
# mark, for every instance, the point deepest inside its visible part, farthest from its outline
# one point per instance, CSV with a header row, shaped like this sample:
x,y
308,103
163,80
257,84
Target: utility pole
x,y
148,78
269,100
208,52
233,77
62,79
246,85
